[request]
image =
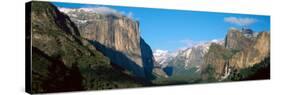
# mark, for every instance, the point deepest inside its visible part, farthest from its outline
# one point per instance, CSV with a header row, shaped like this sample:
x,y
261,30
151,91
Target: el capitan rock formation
x,y
117,37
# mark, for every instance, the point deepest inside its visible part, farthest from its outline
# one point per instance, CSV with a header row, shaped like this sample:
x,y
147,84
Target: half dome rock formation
x,y
116,36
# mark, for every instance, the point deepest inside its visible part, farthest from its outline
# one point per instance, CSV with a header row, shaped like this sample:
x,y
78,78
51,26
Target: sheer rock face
x,y
262,45
120,35
117,37
236,39
147,59
216,58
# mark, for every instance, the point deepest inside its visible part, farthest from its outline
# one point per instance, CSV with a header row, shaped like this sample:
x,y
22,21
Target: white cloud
x,y
109,11
240,21
102,10
161,51
99,10
130,15
190,43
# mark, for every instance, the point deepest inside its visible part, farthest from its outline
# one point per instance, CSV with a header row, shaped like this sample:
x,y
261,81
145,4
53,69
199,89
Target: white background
x,y
12,47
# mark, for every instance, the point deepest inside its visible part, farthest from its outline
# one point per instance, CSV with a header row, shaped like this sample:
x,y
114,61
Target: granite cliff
x,y
242,49
116,36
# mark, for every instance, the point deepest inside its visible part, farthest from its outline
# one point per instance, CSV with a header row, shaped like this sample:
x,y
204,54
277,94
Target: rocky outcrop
x,y
253,53
51,30
117,37
262,45
243,49
236,39
217,58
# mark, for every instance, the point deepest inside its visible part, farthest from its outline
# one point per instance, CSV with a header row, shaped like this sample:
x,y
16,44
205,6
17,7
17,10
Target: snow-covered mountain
x,y
85,15
162,57
187,58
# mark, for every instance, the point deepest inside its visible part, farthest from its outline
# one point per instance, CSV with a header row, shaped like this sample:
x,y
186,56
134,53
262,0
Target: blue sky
x,y
173,29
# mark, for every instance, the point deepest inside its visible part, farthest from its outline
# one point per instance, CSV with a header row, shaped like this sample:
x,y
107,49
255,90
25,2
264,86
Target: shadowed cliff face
x,y
147,59
117,33
54,18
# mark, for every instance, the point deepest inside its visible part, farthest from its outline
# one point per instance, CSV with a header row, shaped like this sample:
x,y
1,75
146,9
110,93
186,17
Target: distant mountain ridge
x,y
240,49
188,56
